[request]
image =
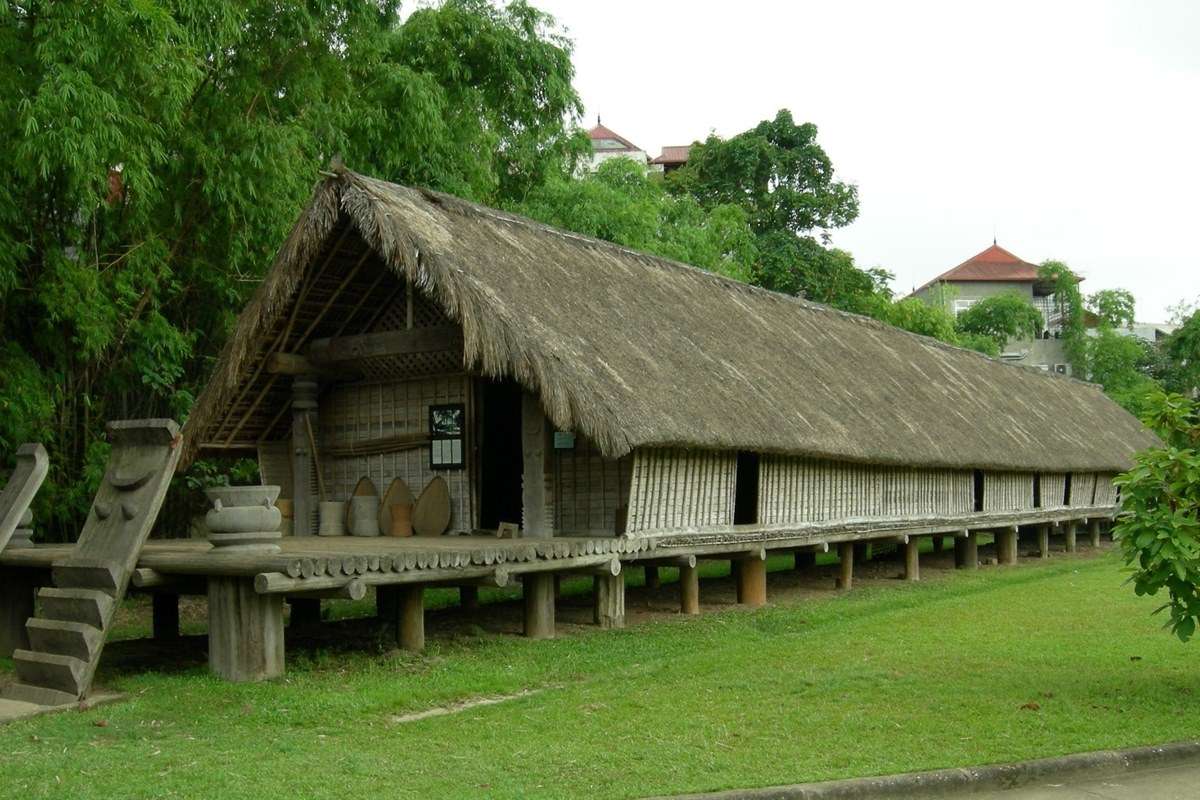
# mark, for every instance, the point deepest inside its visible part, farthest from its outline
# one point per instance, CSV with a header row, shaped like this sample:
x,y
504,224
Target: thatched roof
x,y
635,350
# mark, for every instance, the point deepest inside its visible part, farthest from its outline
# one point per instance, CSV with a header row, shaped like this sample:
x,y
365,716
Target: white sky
x,y
1071,129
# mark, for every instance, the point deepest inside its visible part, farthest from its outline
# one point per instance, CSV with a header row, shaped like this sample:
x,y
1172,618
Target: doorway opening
x,y
501,461
977,490
745,497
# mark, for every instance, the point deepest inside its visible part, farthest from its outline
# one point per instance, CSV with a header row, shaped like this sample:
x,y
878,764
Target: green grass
x,y
888,678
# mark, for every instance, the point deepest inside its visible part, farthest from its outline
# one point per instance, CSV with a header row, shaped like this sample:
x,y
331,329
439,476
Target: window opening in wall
x,y
1037,490
501,461
745,498
978,490
1067,491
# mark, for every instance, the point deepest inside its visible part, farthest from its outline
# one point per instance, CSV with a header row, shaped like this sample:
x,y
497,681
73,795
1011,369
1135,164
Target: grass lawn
x,y
963,668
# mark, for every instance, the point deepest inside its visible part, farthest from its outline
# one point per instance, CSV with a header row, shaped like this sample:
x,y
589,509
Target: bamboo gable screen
x,y
1009,491
679,489
588,489
795,489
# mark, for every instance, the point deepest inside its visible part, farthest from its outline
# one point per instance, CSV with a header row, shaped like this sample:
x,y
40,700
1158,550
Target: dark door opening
x,y
500,454
745,497
1067,491
978,490
1037,490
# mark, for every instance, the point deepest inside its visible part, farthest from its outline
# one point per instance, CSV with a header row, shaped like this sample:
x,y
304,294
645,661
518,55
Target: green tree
x,y
620,202
1158,528
1120,364
1001,318
159,152
1068,307
1113,307
1181,356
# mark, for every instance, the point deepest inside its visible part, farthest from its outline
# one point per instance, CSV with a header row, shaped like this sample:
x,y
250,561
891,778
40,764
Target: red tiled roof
x,y
993,264
673,154
601,132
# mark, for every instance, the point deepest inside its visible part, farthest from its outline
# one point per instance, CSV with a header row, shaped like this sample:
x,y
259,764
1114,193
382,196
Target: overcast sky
x,y
1070,129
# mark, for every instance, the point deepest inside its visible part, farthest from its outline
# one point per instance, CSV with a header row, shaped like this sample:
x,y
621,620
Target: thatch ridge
x,y
602,334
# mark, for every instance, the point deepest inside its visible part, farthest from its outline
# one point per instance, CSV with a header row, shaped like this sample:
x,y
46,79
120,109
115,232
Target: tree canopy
x,y
1000,318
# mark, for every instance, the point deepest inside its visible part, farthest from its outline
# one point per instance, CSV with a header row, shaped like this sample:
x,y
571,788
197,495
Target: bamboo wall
x,y
1106,493
796,489
1083,489
589,490
1054,490
357,413
1008,491
673,489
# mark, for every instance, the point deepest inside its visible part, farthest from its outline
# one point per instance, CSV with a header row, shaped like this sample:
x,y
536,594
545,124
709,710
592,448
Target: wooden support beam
x,y
17,591
165,616
245,630
752,582
297,365
353,589
1043,532
1069,531
845,566
1094,529
338,350
608,597
912,560
154,581
538,594
410,633
689,589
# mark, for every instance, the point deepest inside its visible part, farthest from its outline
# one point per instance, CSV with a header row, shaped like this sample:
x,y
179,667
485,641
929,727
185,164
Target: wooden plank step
x,y
80,573
53,671
76,639
37,695
89,606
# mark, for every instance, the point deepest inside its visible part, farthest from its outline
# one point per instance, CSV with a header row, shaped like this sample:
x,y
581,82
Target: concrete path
x,y
1170,783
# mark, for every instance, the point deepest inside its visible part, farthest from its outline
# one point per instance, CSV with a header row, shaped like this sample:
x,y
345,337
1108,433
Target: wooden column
x,y
752,582
410,634
468,597
304,406
845,565
1070,536
17,590
609,599
536,503
245,630
653,579
689,590
805,560
912,559
1043,532
966,551
538,594
1094,528
165,616
1006,545
306,612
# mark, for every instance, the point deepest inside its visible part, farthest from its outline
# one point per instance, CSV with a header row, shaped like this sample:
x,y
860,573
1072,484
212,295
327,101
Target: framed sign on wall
x,y
447,446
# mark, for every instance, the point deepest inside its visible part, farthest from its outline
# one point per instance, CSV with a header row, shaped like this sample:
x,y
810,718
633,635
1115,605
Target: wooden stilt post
x,y
971,550
468,597
805,560
165,619
1043,540
411,618
17,591
538,594
846,565
609,600
1095,531
1070,536
689,589
245,630
960,552
752,582
1006,545
653,579
912,559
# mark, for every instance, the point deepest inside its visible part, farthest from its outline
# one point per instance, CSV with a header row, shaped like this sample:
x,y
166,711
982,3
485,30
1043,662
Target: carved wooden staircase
x,y
74,616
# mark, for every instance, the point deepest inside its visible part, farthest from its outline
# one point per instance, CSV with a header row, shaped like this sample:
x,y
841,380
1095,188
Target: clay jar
x,y
243,518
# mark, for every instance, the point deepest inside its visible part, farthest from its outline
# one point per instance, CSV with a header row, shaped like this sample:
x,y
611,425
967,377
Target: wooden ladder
x,y
74,616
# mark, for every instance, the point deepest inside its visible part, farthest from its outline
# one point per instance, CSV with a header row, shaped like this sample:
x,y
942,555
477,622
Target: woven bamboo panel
x,y
1083,489
1054,489
588,489
796,489
362,412
1106,493
1008,491
679,489
275,466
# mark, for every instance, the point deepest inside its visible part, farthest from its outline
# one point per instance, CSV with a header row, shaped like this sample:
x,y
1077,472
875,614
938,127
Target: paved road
x,y
1172,783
